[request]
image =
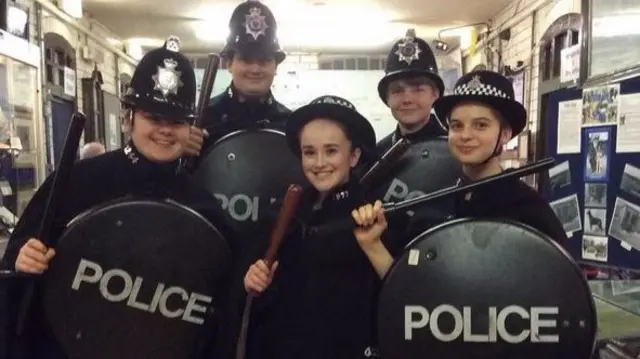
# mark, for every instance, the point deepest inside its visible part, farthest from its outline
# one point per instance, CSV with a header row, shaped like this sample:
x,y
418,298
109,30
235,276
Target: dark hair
x,y
340,124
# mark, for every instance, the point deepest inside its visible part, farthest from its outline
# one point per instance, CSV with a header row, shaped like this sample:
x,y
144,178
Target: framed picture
x,y
597,153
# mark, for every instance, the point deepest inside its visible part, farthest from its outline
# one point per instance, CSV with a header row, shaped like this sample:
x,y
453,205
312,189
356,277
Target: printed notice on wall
x,y
569,121
628,139
570,63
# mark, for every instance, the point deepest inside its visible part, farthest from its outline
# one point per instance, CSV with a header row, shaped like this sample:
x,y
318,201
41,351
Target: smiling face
x,y
159,140
252,77
410,101
327,154
474,130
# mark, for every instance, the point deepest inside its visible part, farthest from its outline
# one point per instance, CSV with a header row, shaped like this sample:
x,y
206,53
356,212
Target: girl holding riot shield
x,y
317,301
160,106
482,117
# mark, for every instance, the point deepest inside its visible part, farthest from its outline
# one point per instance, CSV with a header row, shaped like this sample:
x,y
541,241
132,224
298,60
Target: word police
x,y
399,191
241,207
416,317
91,272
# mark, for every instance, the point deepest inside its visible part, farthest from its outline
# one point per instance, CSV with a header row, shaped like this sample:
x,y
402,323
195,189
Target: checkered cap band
x,y
481,89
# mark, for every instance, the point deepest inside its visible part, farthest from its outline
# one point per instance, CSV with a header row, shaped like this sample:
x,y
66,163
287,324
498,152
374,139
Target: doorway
x,y
61,112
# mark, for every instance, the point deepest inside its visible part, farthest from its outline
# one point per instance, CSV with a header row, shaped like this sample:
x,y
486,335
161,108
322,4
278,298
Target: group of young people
x,y
318,299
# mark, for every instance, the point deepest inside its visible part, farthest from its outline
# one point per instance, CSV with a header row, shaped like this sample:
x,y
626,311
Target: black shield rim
x,y
578,271
126,201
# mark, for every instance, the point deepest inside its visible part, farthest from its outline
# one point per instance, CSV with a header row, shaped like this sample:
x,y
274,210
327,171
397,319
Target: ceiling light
x,y
441,45
72,7
305,26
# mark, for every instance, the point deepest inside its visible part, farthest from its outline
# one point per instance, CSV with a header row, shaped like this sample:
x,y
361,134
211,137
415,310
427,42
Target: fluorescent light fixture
x,y
17,20
327,26
134,49
72,7
114,41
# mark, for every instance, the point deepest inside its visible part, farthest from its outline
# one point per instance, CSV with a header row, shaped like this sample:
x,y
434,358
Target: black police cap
x,y
358,128
410,57
491,89
253,32
164,83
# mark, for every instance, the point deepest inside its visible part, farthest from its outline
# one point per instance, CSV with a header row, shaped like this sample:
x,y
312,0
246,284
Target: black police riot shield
x,y
424,168
485,289
249,172
136,279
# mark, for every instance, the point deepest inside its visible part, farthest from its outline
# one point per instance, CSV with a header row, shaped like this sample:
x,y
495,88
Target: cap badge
x,y
173,44
475,83
335,101
167,79
408,50
255,23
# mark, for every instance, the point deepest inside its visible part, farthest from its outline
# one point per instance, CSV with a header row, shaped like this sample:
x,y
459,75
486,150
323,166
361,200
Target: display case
x,y
20,147
618,309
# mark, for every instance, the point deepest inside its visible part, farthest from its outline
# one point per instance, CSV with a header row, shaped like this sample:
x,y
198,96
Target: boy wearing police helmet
x,y
253,54
160,106
409,88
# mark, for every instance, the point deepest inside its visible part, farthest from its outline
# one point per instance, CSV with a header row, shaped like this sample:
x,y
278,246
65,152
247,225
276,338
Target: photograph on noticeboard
x,y
568,212
595,248
595,195
600,105
559,175
630,182
597,154
628,134
625,223
595,220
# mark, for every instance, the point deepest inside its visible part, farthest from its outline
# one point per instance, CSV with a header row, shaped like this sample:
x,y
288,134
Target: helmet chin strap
x,y
496,148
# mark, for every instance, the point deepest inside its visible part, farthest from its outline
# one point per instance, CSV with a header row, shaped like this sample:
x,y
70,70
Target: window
x,y
58,55
575,37
559,43
547,60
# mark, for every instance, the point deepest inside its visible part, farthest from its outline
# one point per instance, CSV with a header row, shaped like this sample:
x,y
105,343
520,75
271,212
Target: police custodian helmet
x,y
410,57
253,32
164,83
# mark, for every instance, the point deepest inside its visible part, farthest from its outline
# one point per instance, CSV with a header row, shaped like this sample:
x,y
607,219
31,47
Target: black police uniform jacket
x,y
509,199
431,131
94,181
321,303
226,114
514,200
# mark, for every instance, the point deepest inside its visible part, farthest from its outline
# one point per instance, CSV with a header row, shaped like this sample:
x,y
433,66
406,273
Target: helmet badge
x,y
173,44
255,23
475,83
408,49
167,79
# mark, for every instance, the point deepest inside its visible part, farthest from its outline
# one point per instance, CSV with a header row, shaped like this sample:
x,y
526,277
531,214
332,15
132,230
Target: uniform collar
x,y
491,189
431,130
346,195
234,94
148,171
